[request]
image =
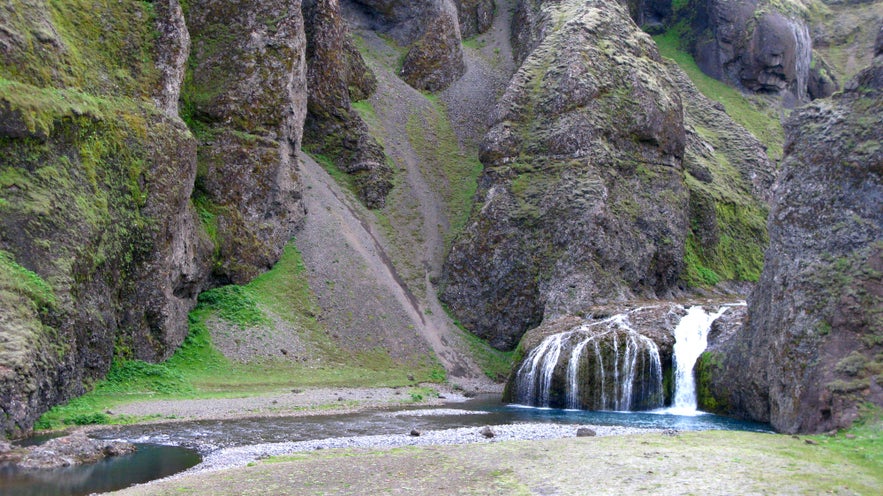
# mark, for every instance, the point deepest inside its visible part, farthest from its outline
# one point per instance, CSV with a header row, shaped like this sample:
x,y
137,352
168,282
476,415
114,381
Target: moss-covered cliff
x,y
103,251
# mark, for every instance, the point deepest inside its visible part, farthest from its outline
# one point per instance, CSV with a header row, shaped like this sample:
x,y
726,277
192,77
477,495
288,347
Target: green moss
x,y
16,278
235,304
454,169
708,397
98,46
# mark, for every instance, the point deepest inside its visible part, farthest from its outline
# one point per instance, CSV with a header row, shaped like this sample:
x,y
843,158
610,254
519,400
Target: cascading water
x,y
621,370
691,339
608,365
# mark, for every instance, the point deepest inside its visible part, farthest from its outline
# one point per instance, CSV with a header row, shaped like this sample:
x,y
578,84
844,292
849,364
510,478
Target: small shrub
x,y
88,419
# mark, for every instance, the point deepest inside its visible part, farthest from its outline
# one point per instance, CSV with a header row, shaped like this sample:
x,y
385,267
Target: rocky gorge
x,y
523,165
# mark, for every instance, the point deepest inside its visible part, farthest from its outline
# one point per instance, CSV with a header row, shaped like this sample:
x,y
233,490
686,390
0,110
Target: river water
x,y
165,449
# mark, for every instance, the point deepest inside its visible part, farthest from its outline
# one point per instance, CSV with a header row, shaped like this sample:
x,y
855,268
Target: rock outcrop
x,y
616,358
431,31
336,76
102,249
100,246
582,200
756,45
476,16
246,97
70,450
811,350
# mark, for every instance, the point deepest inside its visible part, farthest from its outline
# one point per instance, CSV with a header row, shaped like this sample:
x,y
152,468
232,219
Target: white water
x,y
691,339
630,357
630,377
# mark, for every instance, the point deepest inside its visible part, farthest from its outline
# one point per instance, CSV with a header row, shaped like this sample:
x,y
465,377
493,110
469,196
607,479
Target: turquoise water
x,y
239,432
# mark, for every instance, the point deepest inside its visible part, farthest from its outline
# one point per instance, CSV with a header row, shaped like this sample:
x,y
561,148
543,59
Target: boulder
x,y
74,449
585,432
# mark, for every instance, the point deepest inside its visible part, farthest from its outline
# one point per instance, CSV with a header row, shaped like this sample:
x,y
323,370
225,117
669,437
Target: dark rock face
x,y
101,252
753,46
248,89
431,29
476,16
336,75
811,349
650,14
582,200
729,177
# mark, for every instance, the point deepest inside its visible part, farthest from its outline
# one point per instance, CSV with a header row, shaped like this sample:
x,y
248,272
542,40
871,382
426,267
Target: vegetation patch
x,y
16,278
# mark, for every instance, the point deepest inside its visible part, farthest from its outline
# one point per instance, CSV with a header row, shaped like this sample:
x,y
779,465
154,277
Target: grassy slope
x,y
740,219
198,370
689,463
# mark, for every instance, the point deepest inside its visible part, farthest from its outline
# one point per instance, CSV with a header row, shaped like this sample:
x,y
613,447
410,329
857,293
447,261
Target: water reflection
x,y
149,462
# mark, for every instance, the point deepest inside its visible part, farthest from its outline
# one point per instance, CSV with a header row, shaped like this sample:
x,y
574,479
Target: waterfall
x,y
621,370
608,365
802,56
691,339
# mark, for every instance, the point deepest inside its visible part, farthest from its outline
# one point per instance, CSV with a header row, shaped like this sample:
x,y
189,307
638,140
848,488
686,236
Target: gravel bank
x,y
241,456
325,401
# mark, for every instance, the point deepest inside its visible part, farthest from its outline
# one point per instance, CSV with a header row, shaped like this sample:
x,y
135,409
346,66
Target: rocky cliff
x,y
337,76
810,353
585,199
430,31
245,97
114,217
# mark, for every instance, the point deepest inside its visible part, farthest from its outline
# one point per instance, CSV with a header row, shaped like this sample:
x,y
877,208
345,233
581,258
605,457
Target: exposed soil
x,y
374,282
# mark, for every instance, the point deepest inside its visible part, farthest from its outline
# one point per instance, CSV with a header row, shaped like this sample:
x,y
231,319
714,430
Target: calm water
x,y
148,463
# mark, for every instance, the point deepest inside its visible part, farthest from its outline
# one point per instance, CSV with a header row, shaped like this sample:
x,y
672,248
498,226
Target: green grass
x,y
340,177
25,282
862,444
762,122
198,370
